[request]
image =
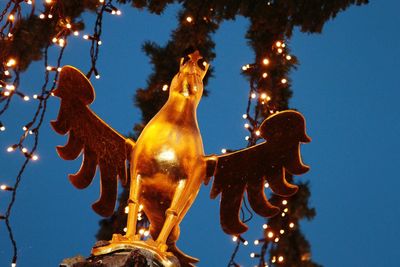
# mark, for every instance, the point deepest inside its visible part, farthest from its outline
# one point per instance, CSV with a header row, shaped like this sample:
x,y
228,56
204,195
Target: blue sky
x,y
346,86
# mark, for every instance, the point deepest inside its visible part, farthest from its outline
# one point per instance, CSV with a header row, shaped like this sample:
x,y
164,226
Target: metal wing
x,y
249,169
101,145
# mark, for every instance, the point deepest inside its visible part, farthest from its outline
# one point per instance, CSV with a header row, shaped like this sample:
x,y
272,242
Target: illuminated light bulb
x,y
86,37
265,226
246,125
11,17
189,19
13,264
6,72
234,238
270,234
223,151
48,1
10,34
258,132
29,2
264,96
59,69
11,62
282,231
50,16
35,157
244,68
286,210
10,149
30,132
291,225
69,26
2,128
204,63
268,98
118,12
26,98
41,16
278,43
126,210
247,138
10,87
24,150
283,81
101,1
54,40
252,255
52,94
276,239
140,207
146,233
284,202
273,260
125,229
165,87
280,259
3,187
256,242
283,214
253,95
265,61
97,76
61,42
99,42
245,242
288,57
141,231
280,50
35,96
6,93
266,185
283,45
76,33
265,75
244,116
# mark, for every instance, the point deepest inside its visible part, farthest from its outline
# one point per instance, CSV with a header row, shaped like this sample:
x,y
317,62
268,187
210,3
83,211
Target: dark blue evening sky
x,y
346,86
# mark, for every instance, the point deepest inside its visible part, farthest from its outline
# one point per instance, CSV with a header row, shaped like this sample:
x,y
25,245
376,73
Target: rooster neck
x,y
179,110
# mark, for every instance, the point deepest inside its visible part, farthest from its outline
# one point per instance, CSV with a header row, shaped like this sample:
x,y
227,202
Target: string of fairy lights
x,y
10,81
263,98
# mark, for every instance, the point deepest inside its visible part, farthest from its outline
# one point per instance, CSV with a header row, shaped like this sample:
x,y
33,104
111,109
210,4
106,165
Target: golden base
x,y
120,242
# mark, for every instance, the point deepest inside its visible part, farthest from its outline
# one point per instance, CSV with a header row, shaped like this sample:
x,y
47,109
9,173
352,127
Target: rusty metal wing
x,y
249,169
101,145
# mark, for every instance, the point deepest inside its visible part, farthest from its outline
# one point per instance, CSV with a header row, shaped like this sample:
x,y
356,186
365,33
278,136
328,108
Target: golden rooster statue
x,y
168,164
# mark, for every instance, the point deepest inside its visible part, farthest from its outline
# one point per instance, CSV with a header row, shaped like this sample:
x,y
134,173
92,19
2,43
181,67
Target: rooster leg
x,y
133,204
172,214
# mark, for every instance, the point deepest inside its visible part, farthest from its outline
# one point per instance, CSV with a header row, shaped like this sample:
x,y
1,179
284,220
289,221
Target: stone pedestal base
x,y
133,258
